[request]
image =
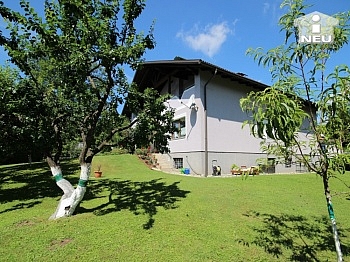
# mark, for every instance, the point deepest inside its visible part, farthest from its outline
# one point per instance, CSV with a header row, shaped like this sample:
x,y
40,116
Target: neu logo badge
x,y
316,28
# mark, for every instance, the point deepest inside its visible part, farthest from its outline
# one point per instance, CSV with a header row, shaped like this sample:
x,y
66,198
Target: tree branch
x,y
57,128
93,68
87,135
94,87
303,156
111,134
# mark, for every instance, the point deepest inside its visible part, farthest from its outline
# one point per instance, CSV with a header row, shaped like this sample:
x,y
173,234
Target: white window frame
x,y
178,162
181,133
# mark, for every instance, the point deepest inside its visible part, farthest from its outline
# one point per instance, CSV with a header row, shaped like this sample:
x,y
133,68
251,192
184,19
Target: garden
x,y
133,213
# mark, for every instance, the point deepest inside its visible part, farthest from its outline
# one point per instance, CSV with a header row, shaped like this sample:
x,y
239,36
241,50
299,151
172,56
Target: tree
x,y
74,57
301,86
17,106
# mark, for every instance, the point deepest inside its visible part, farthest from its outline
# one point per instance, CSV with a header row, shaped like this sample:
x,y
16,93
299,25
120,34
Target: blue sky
x,y
219,31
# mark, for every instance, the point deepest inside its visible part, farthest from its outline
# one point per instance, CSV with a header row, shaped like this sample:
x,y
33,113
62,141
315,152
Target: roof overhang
x,y
153,73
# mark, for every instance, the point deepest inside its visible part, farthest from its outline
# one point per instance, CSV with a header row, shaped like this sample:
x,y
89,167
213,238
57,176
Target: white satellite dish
x,y
191,104
191,101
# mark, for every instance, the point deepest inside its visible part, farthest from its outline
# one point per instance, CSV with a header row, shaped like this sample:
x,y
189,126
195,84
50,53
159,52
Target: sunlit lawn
x,y
133,213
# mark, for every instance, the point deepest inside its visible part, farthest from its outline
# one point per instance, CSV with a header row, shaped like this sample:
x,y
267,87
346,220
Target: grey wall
x,y
225,118
228,142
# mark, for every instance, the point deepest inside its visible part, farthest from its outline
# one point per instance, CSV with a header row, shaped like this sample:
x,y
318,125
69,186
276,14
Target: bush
x,y
141,151
116,151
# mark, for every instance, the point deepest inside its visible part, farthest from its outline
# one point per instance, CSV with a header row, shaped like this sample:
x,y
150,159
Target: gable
x,y
156,73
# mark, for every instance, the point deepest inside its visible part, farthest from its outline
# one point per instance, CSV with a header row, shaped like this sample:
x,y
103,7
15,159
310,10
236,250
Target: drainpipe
x,y
206,156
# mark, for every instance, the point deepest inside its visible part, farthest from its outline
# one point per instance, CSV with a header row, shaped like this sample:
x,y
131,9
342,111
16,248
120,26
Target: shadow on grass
x,y
306,238
29,183
138,197
21,206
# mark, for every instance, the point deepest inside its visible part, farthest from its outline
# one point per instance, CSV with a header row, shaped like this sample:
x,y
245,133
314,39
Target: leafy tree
x,y
17,106
305,98
74,57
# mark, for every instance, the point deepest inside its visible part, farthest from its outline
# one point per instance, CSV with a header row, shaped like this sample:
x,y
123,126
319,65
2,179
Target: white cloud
x,y
207,40
271,9
266,7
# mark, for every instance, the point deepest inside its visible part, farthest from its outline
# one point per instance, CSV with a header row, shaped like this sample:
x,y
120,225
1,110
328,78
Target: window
x,y
178,163
300,167
180,126
271,165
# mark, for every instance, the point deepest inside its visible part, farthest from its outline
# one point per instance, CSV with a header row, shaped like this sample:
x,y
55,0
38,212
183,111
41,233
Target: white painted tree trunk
x,y
335,232
71,197
337,241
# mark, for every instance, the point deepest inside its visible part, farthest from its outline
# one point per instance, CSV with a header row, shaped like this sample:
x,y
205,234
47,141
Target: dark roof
x,y
152,72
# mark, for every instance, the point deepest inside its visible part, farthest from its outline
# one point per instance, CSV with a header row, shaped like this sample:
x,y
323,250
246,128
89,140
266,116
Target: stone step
x,y
165,164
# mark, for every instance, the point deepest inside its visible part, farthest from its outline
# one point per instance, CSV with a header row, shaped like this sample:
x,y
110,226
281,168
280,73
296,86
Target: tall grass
x,y
133,213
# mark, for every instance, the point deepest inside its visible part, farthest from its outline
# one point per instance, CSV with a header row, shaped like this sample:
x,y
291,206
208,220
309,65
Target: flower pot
x,y
235,172
98,173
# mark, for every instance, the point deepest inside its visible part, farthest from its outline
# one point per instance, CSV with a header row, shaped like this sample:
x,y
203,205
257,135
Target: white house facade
x,y
208,117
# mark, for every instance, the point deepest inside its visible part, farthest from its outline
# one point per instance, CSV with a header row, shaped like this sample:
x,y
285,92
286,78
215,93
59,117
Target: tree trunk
x,y
332,217
71,197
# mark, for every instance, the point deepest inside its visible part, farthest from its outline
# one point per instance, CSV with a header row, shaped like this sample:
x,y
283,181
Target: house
x,y
208,117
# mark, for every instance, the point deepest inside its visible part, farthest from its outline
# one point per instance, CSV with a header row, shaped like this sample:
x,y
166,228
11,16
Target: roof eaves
x,y
200,62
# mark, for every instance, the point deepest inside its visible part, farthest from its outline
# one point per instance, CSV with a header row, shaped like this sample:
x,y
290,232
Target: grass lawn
x,y
133,213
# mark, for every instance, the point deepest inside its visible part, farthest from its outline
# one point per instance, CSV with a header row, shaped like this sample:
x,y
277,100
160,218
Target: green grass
x,y
136,214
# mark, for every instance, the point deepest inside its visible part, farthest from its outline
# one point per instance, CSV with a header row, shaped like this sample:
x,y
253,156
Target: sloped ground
x,y
133,213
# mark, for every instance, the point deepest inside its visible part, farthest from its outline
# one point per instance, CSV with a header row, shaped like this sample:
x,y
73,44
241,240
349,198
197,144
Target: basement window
x,y
178,163
180,126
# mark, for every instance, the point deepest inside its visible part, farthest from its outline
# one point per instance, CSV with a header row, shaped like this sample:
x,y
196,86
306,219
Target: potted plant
x,y
254,170
98,172
235,170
